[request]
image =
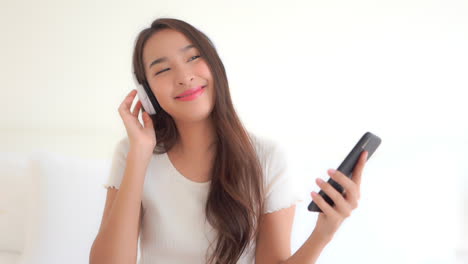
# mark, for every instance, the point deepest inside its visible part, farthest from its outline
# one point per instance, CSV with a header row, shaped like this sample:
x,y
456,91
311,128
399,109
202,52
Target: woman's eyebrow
x,y
163,59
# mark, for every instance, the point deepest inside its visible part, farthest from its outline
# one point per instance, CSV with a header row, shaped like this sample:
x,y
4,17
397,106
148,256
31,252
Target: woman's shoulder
x,y
123,145
266,146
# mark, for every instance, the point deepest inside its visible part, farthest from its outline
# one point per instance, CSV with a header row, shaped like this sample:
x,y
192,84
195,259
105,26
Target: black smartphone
x,y
368,142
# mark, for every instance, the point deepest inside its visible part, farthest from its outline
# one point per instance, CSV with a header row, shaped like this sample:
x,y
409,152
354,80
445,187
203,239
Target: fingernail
x,y
332,171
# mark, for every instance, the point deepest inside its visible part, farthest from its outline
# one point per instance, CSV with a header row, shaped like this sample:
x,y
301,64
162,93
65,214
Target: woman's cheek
x,y
204,70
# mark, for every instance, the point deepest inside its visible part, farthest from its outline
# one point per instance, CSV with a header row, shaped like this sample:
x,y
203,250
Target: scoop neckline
x,y
181,176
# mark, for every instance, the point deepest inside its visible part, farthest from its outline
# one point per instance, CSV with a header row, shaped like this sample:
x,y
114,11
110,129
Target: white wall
x,y
314,74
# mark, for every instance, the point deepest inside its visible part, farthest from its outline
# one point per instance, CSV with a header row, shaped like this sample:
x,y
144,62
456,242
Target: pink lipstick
x,y
191,94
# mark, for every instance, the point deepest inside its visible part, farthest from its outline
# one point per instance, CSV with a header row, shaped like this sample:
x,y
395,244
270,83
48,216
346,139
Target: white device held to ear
x,y
143,97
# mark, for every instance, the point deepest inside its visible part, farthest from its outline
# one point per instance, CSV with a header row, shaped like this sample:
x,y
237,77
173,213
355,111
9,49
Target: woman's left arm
x,y
271,247
331,218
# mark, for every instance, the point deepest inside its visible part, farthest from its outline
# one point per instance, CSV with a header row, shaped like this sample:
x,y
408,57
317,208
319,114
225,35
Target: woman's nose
x,y
186,80
184,74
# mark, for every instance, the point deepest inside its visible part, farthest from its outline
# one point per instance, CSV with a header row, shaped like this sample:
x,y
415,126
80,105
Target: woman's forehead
x,y
165,43
166,40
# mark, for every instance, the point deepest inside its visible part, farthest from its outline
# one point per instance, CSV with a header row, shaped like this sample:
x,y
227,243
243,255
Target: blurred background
x,y
314,75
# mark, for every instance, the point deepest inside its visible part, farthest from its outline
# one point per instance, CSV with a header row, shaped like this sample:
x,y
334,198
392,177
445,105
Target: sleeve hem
x,y
107,186
293,202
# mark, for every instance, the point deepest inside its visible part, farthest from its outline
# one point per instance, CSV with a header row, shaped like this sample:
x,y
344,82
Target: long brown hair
x,y
235,199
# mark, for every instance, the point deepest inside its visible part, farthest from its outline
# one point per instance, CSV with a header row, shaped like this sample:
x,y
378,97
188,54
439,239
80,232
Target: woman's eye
x,y
197,56
161,71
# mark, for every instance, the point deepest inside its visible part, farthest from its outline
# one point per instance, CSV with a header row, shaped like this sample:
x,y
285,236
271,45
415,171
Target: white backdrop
x,y
315,75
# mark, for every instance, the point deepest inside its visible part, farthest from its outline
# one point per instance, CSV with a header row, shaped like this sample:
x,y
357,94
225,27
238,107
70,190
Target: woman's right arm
x,y
117,239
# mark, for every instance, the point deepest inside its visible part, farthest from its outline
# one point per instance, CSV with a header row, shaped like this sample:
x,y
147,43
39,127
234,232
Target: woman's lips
x,y
190,91
194,94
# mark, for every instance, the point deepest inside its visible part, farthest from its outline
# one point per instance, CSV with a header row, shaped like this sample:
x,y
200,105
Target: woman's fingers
x,y
351,188
136,109
147,120
341,204
323,205
124,107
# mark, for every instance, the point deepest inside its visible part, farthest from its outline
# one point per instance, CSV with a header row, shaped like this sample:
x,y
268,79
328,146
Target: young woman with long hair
x,y
191,184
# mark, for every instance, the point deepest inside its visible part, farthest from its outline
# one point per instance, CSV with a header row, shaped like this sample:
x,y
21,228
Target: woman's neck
x,y
196,139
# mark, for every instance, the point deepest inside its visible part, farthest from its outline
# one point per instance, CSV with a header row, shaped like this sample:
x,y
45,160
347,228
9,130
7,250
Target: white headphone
x,y
144,98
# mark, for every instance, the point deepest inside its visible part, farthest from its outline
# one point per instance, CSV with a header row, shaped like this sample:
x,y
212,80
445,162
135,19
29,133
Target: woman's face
x,y
179,70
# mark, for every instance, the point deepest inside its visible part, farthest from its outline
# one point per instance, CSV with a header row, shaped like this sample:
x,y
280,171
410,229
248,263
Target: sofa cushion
x,y
13,199
65,208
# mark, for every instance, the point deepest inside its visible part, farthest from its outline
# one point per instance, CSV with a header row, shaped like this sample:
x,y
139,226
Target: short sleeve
x,y
119,160
281,190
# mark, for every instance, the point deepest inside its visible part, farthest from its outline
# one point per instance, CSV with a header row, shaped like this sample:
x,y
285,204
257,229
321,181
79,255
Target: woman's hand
x,y
141,137
330,219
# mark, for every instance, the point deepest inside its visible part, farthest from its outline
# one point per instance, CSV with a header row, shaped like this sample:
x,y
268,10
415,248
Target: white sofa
x,y
50,207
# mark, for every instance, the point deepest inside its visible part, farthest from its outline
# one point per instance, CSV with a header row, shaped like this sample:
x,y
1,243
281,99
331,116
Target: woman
x,y
191,183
